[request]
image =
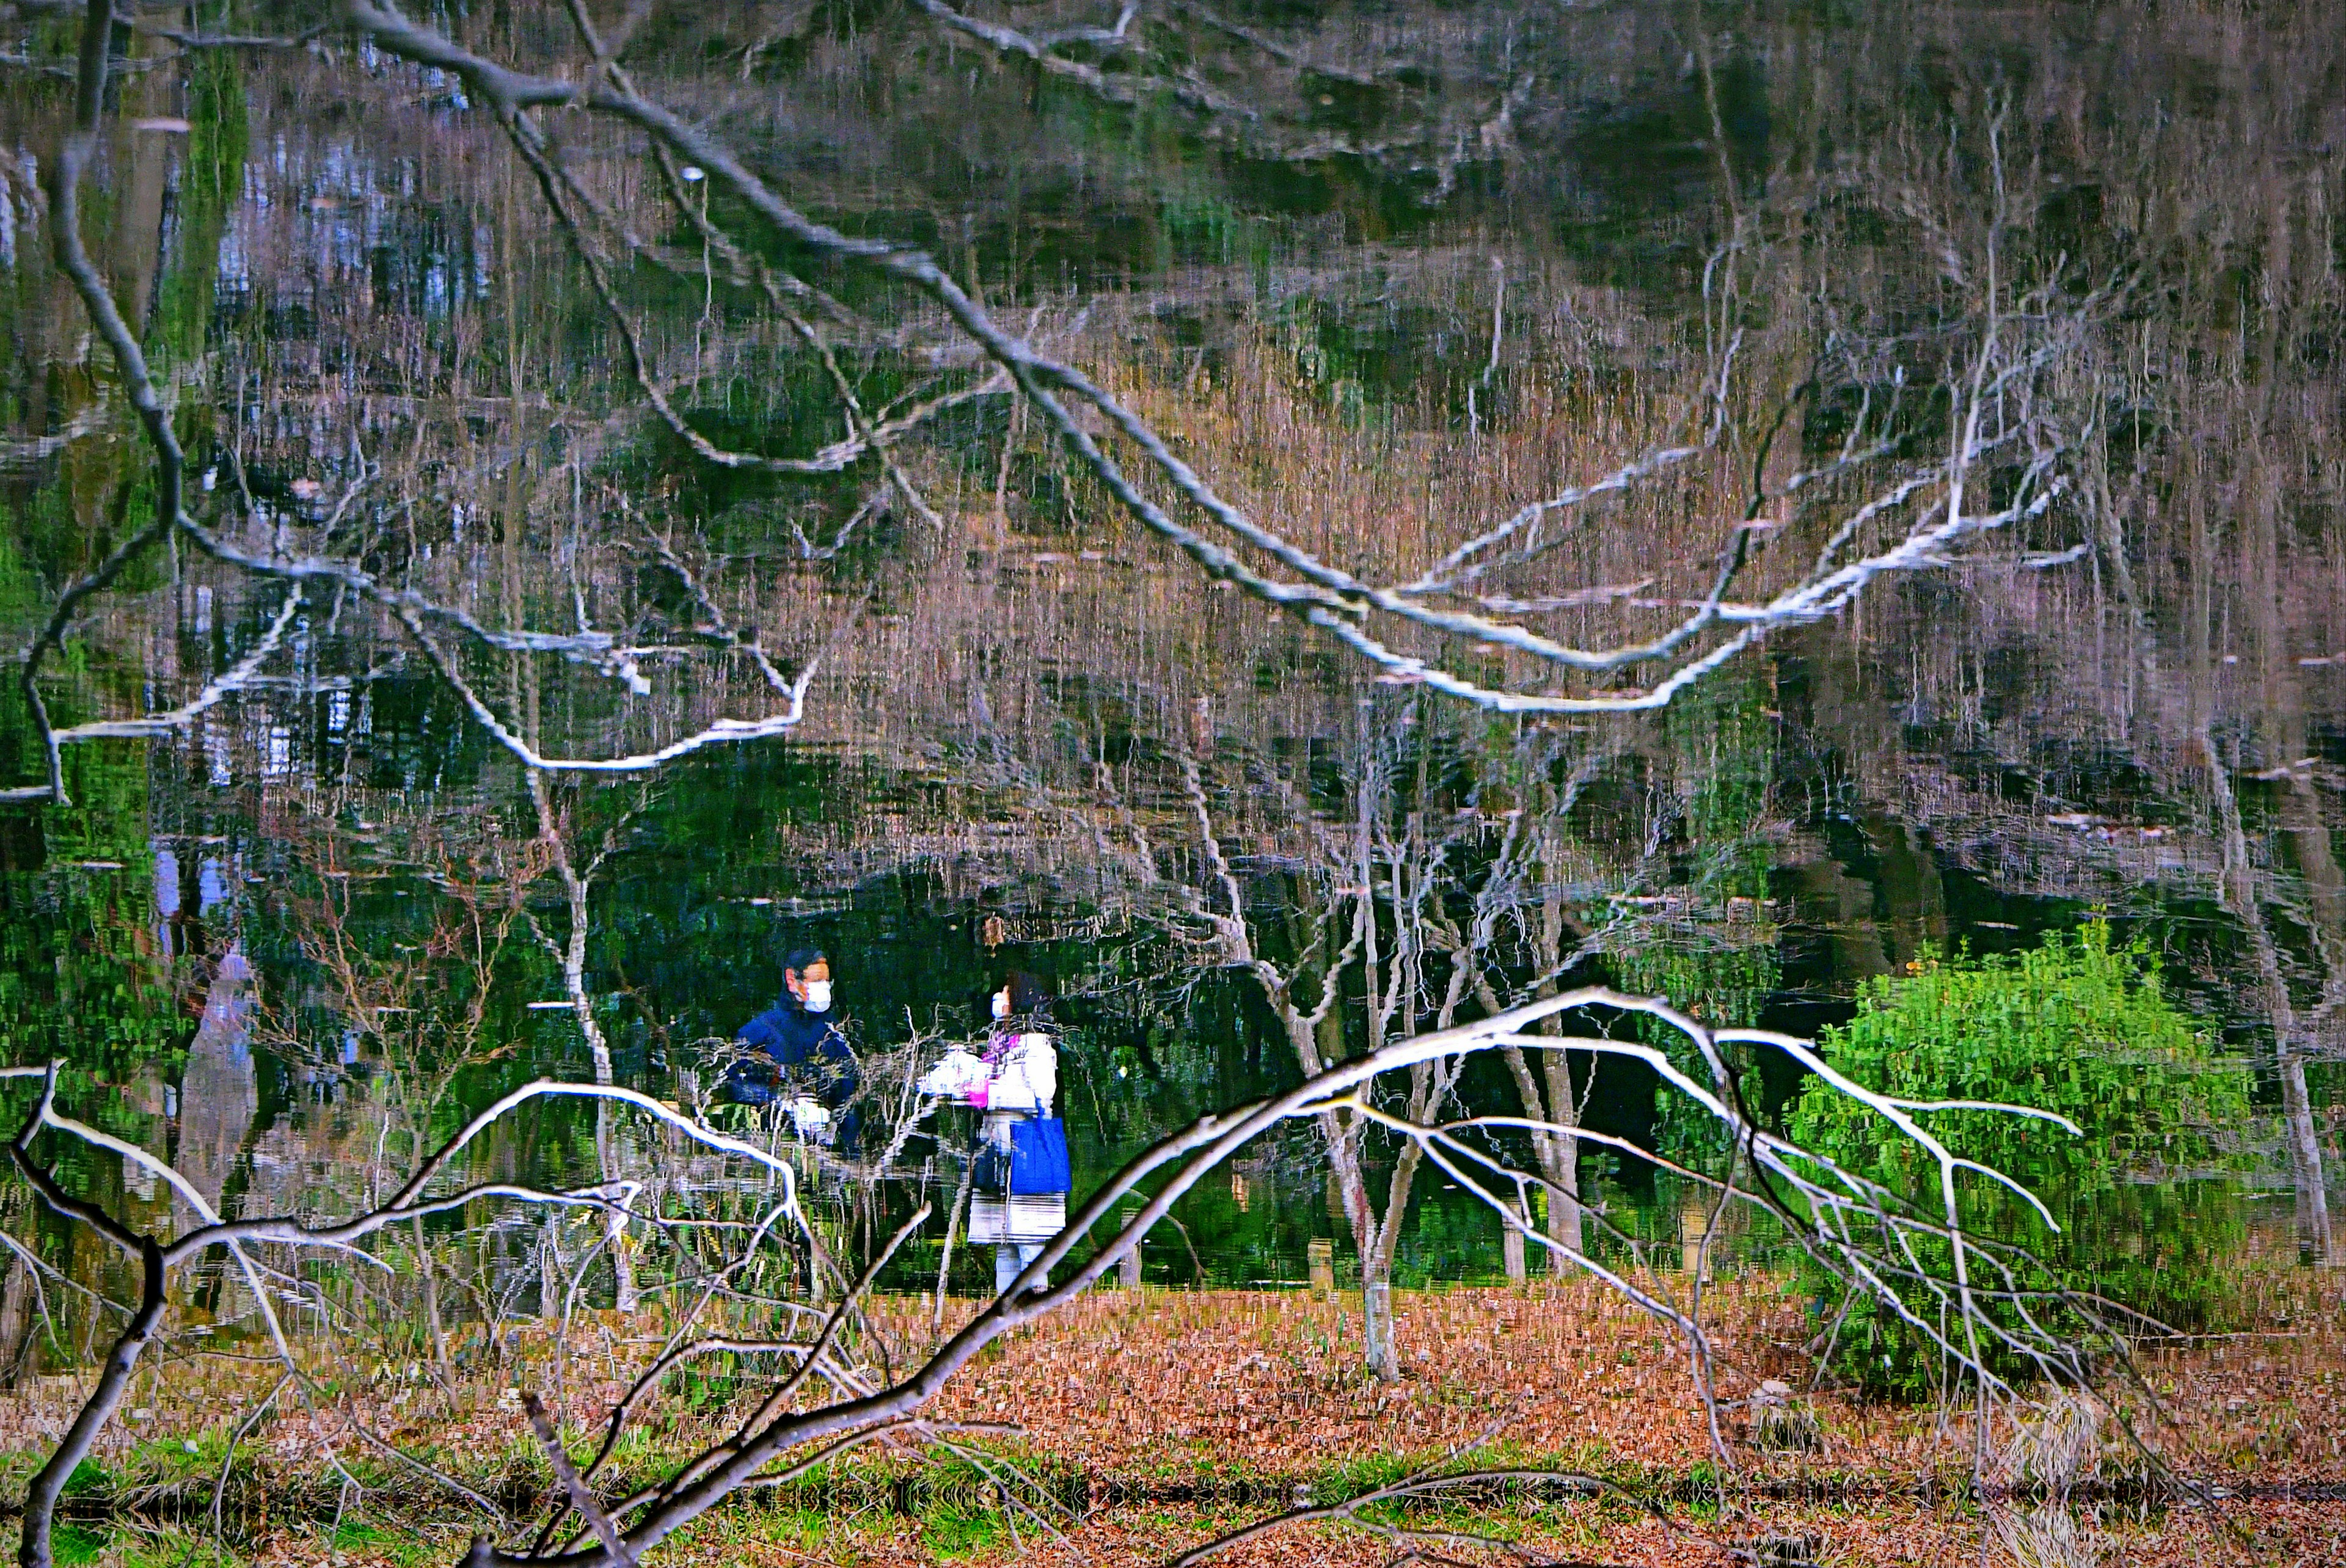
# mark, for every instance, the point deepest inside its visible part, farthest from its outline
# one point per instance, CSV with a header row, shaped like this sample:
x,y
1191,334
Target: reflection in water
x,y
1358,521
1440,266
218,1097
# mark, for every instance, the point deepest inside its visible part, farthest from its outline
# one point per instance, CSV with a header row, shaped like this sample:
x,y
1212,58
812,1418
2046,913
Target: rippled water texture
x,y
607,457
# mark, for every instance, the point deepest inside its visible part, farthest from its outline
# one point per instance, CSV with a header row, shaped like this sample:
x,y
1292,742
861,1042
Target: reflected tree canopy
x,y
1617,541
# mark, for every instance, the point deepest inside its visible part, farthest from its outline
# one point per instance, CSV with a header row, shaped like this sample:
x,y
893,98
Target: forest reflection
x,y
924,692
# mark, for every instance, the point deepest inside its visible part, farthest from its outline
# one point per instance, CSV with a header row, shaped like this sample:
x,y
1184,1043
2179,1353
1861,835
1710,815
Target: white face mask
x,y
1002,1005
818,997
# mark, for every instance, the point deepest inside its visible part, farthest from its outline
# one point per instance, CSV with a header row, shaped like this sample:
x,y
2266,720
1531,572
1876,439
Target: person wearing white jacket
x,y
1022,1081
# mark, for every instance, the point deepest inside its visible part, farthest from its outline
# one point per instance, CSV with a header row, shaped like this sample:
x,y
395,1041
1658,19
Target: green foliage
x,y
211,181
1726,744
2079,1027
1715,982
1455,1236
1725,750
80,977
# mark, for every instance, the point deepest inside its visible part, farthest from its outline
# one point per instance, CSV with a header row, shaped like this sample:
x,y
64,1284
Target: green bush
x,y
2079,1027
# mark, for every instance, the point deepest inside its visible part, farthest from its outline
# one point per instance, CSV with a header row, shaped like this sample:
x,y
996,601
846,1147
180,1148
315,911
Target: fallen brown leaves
x,y
1166,1395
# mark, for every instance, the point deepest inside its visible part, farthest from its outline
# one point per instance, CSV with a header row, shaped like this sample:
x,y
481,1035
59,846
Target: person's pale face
x,y
797,978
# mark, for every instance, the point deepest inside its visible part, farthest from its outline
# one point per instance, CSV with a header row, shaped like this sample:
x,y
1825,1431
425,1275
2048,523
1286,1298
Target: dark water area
x,y
695,913
1440,261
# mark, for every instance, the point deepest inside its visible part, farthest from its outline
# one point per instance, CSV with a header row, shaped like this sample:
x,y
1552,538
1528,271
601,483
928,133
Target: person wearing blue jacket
x,y
800,1037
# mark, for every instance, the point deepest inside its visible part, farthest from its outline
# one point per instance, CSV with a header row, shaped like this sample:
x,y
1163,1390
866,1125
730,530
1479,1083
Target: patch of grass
x,y
640,1454
167,1459
377,1541
955,1532
166,1546
802,1529
70,1545
1366,1472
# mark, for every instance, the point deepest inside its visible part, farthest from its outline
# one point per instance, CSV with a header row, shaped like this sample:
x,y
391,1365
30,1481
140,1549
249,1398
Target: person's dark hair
x,y
802,959
1030,994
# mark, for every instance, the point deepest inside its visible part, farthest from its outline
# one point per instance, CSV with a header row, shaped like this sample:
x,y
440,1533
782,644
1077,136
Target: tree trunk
x,y
1345,1171
49,1484
1351,1182
16,1323
1563,1224
549,1269
1560,1164
2305,1159
1376,1266
2240,898
2262,501
2325,895
1557,1153
944,1258
432,1310
573,957
624,1295
1547,1095
1376,1312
